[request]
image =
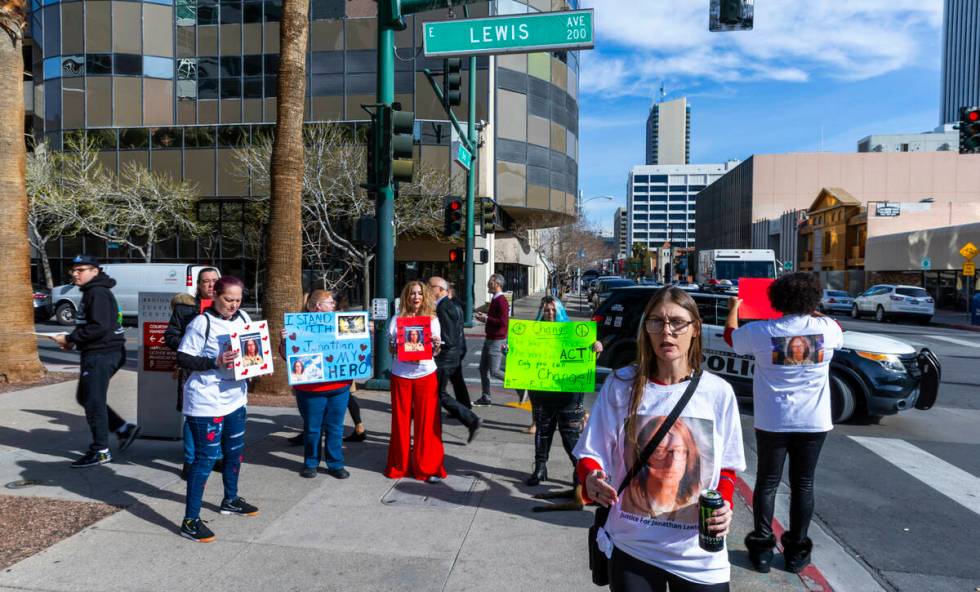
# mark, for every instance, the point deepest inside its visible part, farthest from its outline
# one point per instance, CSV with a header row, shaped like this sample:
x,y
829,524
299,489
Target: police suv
x,y
871,376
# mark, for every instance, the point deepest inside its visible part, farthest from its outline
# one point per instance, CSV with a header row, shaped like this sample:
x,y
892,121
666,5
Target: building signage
x,y
926,264
887,210
523,33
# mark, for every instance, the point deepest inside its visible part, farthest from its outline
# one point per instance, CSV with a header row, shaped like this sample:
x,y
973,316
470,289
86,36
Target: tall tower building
x,y
669,132
961,58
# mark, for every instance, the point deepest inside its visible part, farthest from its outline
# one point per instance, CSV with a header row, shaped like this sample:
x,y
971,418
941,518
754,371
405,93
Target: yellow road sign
x,y
969,251
969,269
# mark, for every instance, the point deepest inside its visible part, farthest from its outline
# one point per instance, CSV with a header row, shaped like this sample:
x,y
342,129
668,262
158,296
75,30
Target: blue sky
x,y
811,75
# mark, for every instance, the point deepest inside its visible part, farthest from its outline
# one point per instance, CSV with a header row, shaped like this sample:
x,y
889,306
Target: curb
x,y
811,576
974,328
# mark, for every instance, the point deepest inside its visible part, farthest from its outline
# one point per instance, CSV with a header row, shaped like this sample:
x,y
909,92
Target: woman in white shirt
x,y
415,398
214,404
651,535
791,391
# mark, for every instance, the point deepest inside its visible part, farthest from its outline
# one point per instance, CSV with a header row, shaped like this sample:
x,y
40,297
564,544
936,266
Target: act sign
x,y
519,33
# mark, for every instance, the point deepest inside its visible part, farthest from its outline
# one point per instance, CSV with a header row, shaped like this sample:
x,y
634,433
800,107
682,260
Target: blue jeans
x,y
189,445
323,412
213,436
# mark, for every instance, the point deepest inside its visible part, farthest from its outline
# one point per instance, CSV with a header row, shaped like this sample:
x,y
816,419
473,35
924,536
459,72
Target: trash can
x,y
975,310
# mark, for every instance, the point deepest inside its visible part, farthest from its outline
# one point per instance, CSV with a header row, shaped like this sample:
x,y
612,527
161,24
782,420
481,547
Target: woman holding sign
x,y
214,404
662,431
550,410
415,390
322,406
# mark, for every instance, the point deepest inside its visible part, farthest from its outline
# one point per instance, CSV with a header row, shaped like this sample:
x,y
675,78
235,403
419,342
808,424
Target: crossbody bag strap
x,y
662,431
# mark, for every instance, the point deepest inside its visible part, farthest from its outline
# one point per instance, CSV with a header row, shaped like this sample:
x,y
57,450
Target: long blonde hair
x,y
426,309
646,357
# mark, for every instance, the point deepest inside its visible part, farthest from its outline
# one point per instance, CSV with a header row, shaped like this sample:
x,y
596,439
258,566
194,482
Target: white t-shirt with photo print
x,y
655,519
791,386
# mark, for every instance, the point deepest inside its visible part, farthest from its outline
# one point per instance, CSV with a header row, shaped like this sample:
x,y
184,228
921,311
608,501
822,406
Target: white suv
x,y
887,301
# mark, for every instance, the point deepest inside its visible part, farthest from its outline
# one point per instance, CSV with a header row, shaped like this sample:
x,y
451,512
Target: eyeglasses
x,y
677,326
676,454
75,270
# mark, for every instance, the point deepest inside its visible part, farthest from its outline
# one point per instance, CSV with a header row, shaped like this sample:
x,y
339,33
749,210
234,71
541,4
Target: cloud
x,y
638,44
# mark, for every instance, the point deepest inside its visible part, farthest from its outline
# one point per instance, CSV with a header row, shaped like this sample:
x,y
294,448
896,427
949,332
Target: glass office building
x,y
177,85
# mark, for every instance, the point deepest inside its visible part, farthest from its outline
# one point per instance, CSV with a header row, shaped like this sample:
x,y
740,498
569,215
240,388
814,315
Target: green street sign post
x,y
521,33
463,157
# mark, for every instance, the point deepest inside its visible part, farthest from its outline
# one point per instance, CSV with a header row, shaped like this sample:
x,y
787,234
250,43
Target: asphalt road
x,y
902,495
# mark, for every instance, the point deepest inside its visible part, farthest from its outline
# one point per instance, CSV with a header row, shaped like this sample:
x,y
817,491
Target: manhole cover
x,y
453,491
21,484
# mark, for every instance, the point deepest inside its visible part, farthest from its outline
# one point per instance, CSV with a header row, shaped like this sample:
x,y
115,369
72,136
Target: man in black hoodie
x,y
99,337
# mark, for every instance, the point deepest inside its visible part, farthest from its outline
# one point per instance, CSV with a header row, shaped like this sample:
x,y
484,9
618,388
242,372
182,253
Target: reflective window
x,y
187,69
231,66
52,68
102,139
231,12
133,138
252,12
207,12
273,11
231,88
232,135
252,88
186,13
125,64
154,67
167,137
72,66
207,88
199,137
207,68
252,65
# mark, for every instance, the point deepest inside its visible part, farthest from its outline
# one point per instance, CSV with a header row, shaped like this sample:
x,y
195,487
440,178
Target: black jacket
x,y
185,307
98,320
451,326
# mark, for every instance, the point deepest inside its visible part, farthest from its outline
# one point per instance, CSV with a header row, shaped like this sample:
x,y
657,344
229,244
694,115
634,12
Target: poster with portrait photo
x,y
305,368
414,339
668,486
352,325
251,346
797,350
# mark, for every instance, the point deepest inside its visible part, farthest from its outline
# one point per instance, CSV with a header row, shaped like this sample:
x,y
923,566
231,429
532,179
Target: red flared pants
x,y
415,399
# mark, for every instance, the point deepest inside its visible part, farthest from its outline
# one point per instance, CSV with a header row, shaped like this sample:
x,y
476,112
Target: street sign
x,y
787,266
969,251
969,269
379,309
520,33
926,264
463,157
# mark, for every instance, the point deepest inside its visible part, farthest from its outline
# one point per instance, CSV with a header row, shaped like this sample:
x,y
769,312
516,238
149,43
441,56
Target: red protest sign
x,y
754,293
414,338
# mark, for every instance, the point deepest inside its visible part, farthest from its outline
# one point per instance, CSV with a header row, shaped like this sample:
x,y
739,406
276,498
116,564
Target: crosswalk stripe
x,y
947,479
955,341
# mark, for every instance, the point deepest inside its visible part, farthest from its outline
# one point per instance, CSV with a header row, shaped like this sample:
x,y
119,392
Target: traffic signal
x,y
401,135
488,215
456,255
483,256
452,82
731,12
453,217
970,130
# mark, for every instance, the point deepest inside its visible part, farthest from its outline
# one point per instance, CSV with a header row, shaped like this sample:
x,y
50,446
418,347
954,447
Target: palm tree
x,y
284,234
19,361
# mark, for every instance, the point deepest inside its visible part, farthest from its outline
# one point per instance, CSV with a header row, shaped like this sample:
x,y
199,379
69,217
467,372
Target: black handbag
x,y
598,563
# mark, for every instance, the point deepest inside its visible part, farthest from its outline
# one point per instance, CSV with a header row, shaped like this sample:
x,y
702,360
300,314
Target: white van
x,y
131,279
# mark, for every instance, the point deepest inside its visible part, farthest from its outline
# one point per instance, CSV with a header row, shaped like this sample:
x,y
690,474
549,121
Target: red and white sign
x,y
157,357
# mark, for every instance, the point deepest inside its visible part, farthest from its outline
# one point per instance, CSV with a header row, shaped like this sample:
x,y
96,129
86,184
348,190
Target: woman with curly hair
x,y
791,391
651,534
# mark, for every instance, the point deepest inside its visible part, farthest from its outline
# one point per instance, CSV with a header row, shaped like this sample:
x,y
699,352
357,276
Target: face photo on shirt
x,y
797,350
414,339
668,486
251,349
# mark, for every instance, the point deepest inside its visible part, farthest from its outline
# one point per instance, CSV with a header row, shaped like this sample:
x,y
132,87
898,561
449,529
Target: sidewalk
x,y
954,319
474,532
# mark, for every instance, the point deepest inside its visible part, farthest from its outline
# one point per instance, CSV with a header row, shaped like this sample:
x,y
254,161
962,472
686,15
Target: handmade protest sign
x,y
327,347
414,338
253,351
754,293
544,356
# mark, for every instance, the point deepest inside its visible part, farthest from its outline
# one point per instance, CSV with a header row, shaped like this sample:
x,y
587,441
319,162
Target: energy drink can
x,y
709,501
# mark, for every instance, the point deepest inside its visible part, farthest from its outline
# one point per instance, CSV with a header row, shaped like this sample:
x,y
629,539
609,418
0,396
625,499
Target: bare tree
x,y
333,198
138,209
564,248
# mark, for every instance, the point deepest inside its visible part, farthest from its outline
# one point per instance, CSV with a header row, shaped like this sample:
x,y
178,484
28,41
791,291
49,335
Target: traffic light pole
x,y
469,273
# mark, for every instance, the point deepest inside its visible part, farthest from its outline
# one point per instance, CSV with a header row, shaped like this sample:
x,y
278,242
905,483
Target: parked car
x,y
604,286
131,279
887,301
835,301
42,303
688,286
871,375
594,283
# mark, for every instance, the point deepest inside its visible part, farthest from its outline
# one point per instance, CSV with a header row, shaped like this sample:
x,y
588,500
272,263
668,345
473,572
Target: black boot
x,y
796,554
539,474
760,551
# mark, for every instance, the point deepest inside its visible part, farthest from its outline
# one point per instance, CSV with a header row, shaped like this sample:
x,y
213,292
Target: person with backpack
x,y
184,308
100,338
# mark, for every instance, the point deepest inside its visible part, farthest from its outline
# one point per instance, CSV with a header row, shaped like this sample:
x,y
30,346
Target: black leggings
x,y
803,449
551,411
354,409
629,574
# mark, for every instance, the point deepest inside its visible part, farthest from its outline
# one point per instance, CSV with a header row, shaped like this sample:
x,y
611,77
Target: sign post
x,y
156,384
521,33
